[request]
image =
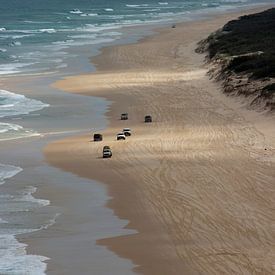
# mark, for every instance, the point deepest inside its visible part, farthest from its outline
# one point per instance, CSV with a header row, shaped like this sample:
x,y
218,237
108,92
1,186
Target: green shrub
x,y
249,34
269,88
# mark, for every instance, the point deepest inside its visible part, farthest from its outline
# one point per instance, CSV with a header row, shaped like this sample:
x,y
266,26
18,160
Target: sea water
x,y
14,105
17,207
36,37
13,256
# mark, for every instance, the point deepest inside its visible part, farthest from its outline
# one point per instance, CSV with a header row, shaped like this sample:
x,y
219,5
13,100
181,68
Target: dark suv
x,y
124,116
147,119
98,137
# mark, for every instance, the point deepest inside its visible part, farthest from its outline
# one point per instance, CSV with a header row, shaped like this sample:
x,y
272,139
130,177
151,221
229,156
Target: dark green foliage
x,y
250,34
259,65
270,87
241,63
268,91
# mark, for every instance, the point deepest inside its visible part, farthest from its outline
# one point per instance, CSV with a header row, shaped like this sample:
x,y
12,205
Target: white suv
x,y
107,154
127,132
120,136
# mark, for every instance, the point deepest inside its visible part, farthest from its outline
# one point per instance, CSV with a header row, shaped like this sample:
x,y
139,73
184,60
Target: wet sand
x,y
197,184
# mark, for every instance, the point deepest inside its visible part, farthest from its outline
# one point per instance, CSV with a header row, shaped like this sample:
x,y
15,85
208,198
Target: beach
x,y
196,185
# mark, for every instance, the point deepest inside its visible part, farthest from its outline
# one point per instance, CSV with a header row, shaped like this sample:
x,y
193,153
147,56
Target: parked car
x,y
124,116
120,136
148,118
98,137
107,153
127,132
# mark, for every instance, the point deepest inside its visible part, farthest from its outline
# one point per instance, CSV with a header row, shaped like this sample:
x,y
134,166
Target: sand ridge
x,y
189,183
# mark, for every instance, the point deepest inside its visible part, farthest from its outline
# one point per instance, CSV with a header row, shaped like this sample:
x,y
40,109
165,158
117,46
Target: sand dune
x,y
193,183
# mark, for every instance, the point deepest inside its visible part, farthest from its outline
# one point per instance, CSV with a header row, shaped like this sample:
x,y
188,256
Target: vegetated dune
x,y
243,56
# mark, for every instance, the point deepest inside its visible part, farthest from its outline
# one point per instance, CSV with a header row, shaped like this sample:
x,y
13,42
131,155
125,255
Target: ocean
x,y
35,34
39,37
14,211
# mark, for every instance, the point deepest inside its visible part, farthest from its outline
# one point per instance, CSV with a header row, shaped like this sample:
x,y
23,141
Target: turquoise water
x,y
35,34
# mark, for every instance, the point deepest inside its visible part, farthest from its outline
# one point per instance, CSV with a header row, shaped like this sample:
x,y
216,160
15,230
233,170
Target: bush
x,y
249,34
268,91
270,87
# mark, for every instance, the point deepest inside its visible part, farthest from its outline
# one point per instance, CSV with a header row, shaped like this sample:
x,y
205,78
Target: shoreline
x,y
145,239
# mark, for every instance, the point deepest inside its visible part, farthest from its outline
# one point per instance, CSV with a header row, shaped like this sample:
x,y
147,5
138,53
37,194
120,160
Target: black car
x,y
124,116
98,137
147,119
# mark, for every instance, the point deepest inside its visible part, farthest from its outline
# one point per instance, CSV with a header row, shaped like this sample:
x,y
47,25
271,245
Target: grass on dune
x,y
247,45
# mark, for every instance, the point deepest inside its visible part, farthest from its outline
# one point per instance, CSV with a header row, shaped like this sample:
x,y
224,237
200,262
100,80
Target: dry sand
x,y
197,183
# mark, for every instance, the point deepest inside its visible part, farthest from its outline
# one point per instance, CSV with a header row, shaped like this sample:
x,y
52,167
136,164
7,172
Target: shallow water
x,y
16,208
14,106
23,171
77,215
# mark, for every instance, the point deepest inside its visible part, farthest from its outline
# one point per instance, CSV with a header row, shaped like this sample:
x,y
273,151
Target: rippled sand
x,y
197,183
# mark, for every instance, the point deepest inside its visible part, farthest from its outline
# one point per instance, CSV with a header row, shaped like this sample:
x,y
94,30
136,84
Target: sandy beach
x,y
197,184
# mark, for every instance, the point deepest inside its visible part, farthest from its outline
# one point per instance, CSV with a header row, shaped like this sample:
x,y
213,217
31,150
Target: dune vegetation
x,y
245,53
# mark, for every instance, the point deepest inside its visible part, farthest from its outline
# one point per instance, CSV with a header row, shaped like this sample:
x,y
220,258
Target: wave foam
x,y
5,127
132,6
20,36
152,10
99,28
13,254
37,22
15,43
27,196
8,171
136,5
12,104
12,68
76,11
48,30
10,131
14,258
234,1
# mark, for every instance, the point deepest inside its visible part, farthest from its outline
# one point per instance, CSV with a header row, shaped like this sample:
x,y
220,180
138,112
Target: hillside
x,y
243,55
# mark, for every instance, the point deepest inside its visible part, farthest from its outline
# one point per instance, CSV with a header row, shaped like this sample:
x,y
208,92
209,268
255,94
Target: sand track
x,y
193,182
